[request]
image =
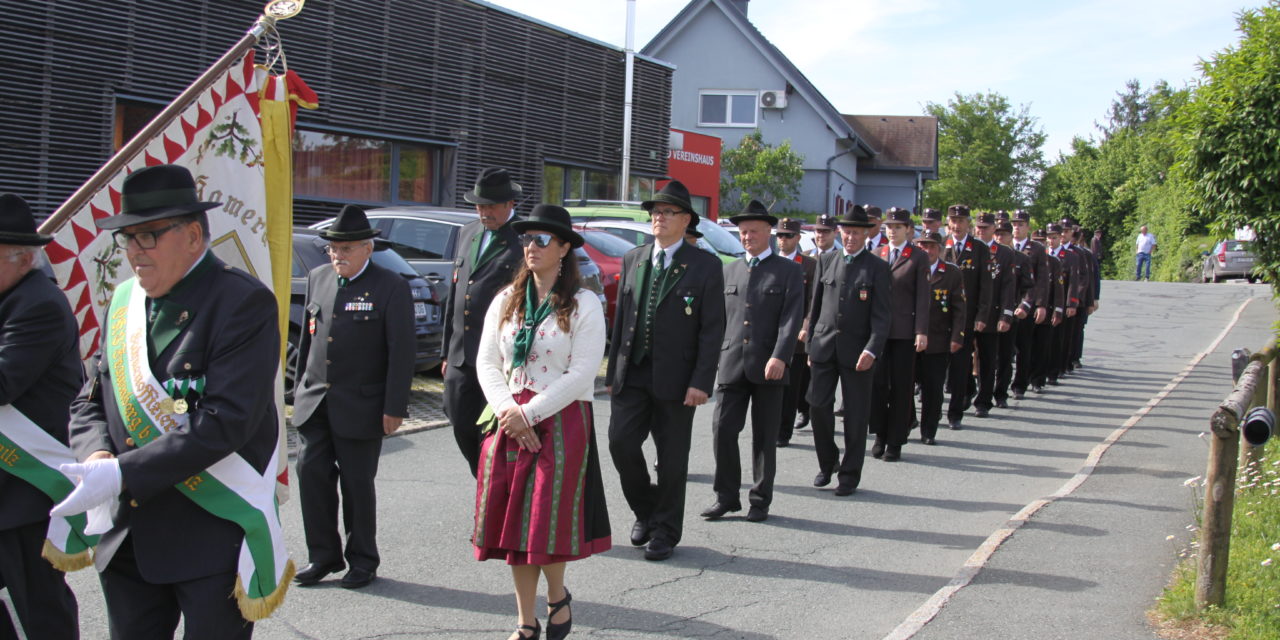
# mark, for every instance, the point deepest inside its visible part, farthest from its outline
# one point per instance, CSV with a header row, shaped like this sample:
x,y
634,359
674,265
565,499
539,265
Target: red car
x,y
606,250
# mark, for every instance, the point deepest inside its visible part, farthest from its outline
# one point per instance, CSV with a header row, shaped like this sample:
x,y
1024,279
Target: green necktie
x,y
753,262
343,282
848,258
656,273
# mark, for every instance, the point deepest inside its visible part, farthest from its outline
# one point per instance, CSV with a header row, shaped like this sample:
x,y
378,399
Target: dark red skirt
x,y
545,507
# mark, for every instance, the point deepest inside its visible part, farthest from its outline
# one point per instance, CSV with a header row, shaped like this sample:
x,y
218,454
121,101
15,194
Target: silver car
x,y
1229,259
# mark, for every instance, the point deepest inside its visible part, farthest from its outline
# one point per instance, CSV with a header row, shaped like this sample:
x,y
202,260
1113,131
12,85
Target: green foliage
x,y
755,170
989,155
1233,150
1252,608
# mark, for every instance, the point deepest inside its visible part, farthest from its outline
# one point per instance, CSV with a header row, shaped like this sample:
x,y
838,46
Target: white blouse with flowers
x,y
561,367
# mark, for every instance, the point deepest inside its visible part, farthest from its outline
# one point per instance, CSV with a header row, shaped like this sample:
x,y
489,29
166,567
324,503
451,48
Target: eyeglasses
x,y
786,235
664,213
335,250
543,240
144,239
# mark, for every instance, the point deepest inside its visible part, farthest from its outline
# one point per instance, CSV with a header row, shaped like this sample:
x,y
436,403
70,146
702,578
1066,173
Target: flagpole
x,y
162,120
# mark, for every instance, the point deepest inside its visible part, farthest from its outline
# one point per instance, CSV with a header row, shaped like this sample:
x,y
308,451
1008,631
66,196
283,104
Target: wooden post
x,y
1273,383
1220,489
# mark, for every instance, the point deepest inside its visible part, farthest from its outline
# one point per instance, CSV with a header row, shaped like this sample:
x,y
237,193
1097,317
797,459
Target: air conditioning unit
x,y
773,99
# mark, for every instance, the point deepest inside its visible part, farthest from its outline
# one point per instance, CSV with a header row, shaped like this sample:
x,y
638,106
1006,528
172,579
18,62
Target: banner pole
x,y
162,120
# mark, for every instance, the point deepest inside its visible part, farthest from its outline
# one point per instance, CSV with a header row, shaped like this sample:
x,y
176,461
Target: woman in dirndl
x,y
539,494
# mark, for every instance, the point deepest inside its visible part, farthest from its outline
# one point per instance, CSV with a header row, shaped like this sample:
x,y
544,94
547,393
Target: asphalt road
x,y
878,564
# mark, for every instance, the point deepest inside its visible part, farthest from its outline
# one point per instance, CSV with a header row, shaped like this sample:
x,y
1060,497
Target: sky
x,y
1064,59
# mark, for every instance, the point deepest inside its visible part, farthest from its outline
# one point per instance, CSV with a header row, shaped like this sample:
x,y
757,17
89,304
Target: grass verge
x,y
1252,608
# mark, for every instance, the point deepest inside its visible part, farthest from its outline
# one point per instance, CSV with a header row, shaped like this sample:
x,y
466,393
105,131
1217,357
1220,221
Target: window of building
x,y
351,168
727,108
567,186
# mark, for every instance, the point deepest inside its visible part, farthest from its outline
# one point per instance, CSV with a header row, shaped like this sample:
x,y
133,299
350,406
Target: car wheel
x,y
290,364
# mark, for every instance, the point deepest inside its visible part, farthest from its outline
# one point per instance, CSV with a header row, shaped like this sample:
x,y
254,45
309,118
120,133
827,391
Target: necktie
x,y
753,262
662,262
893,257
343,281
848,258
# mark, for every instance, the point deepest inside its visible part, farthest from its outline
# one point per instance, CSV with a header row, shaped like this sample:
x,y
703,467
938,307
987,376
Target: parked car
x,y
1229,259
638,233
606,250
723,242
308,253
428,240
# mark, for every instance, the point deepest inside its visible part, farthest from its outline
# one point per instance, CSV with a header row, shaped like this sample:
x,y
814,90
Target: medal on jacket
x,y
941,296
178,391
862,294
688,305
166,405
311,325
180,406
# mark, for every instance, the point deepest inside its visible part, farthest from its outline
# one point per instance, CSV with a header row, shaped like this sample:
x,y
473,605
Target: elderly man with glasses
x,y
355,366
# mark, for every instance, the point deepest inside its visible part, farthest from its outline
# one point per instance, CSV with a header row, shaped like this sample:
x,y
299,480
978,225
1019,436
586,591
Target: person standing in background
x,y
1146,246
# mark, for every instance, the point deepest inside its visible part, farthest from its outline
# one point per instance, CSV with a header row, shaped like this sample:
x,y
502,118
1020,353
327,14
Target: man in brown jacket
x,y
946,333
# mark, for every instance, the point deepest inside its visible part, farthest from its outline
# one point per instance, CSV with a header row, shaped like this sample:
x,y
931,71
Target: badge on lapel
x,y
863,293
688,305
311,326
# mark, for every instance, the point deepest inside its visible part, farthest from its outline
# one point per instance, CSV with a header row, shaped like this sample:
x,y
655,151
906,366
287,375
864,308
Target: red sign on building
x,y
694,159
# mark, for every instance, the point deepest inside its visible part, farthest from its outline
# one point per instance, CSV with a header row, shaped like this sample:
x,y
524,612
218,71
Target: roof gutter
x,y
827,203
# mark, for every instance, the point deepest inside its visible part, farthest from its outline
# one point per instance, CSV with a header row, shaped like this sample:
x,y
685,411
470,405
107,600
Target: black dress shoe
x,y
720,508
783,444
1002,404
801,422
894,452
981,413
757,514
1053,382
839,413
845,489
877,449
928,441
314,573
1038,388
954,425
1018,395
639,533
357,578
559,630
658,550
822,479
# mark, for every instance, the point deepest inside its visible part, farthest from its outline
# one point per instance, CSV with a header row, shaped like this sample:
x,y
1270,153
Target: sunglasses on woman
x,y
543,240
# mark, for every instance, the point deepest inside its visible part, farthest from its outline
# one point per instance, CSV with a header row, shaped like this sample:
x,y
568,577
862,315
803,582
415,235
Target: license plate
x,y
420,309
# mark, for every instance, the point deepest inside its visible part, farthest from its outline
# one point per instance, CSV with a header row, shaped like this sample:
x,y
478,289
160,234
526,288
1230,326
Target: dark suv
x,y
428,313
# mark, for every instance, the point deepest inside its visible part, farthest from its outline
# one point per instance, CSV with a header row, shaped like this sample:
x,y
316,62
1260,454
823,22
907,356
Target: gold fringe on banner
x,y
255,609
66,562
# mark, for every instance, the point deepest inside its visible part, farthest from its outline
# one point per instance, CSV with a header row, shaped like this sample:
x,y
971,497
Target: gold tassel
x,y
63,561
255,609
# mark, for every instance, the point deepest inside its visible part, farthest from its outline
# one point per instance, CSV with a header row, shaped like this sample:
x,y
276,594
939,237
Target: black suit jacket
x,y
1038,264
219,323
1072,278
850,312
686,346
474,286
1002,282
971,257
40,373
364,331
1055,298
810,266
910,301
764,308
946,308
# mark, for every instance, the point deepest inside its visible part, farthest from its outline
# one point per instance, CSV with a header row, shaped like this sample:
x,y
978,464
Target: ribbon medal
x,y
358,306
178,391
862,294
311,325
688,305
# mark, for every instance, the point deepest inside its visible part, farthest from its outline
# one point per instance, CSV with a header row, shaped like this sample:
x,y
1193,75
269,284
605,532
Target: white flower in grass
x,y
1275,547
1267,562
1171,538
1191,482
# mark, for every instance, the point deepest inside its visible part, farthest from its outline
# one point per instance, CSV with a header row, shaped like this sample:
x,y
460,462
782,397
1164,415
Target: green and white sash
x,y
230,489
32,455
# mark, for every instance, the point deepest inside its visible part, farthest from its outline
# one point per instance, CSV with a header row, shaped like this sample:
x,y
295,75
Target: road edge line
x,y
925,614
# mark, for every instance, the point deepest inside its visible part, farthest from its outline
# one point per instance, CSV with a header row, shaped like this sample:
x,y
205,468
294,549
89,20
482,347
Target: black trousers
x,y
463,403
855,388
1077,345
1025,352
636,414
892,392
1004,367
729,420
325,464
1057,347
139,610
793,400
1042,352
960,377
931,371
988,359
45,606
1066,349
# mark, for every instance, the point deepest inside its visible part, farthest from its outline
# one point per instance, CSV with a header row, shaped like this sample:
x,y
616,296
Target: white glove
x,y
99,486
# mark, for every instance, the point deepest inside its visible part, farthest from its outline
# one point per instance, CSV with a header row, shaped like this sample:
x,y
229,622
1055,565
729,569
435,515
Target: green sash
x,y
32,455
230,489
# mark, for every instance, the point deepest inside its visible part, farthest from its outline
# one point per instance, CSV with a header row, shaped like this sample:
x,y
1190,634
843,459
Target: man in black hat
x,y
1042,340
486,260
931,220
824,236
849,323
355,366
1088,292
998,317
971,256
190,350
876,237
793,401
1070,278
763,300
1024,285
40,374
664,346
1034,310
893,406
946,333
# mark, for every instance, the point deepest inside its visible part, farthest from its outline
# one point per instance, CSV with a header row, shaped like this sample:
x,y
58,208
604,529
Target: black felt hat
x,y
156,193
755,210
873,211
549,217
493,186
17,225
692,230
932,236
856,217
790,225
1022,215
986,219
930,215
673,193
897,215
825,221
958,211
350,225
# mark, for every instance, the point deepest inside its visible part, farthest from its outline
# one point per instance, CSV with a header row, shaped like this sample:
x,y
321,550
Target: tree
x,y
755,170
1233,145
989,155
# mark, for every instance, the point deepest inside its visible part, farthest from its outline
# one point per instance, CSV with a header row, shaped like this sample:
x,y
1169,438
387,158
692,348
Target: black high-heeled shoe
x,y
558,630
536,629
